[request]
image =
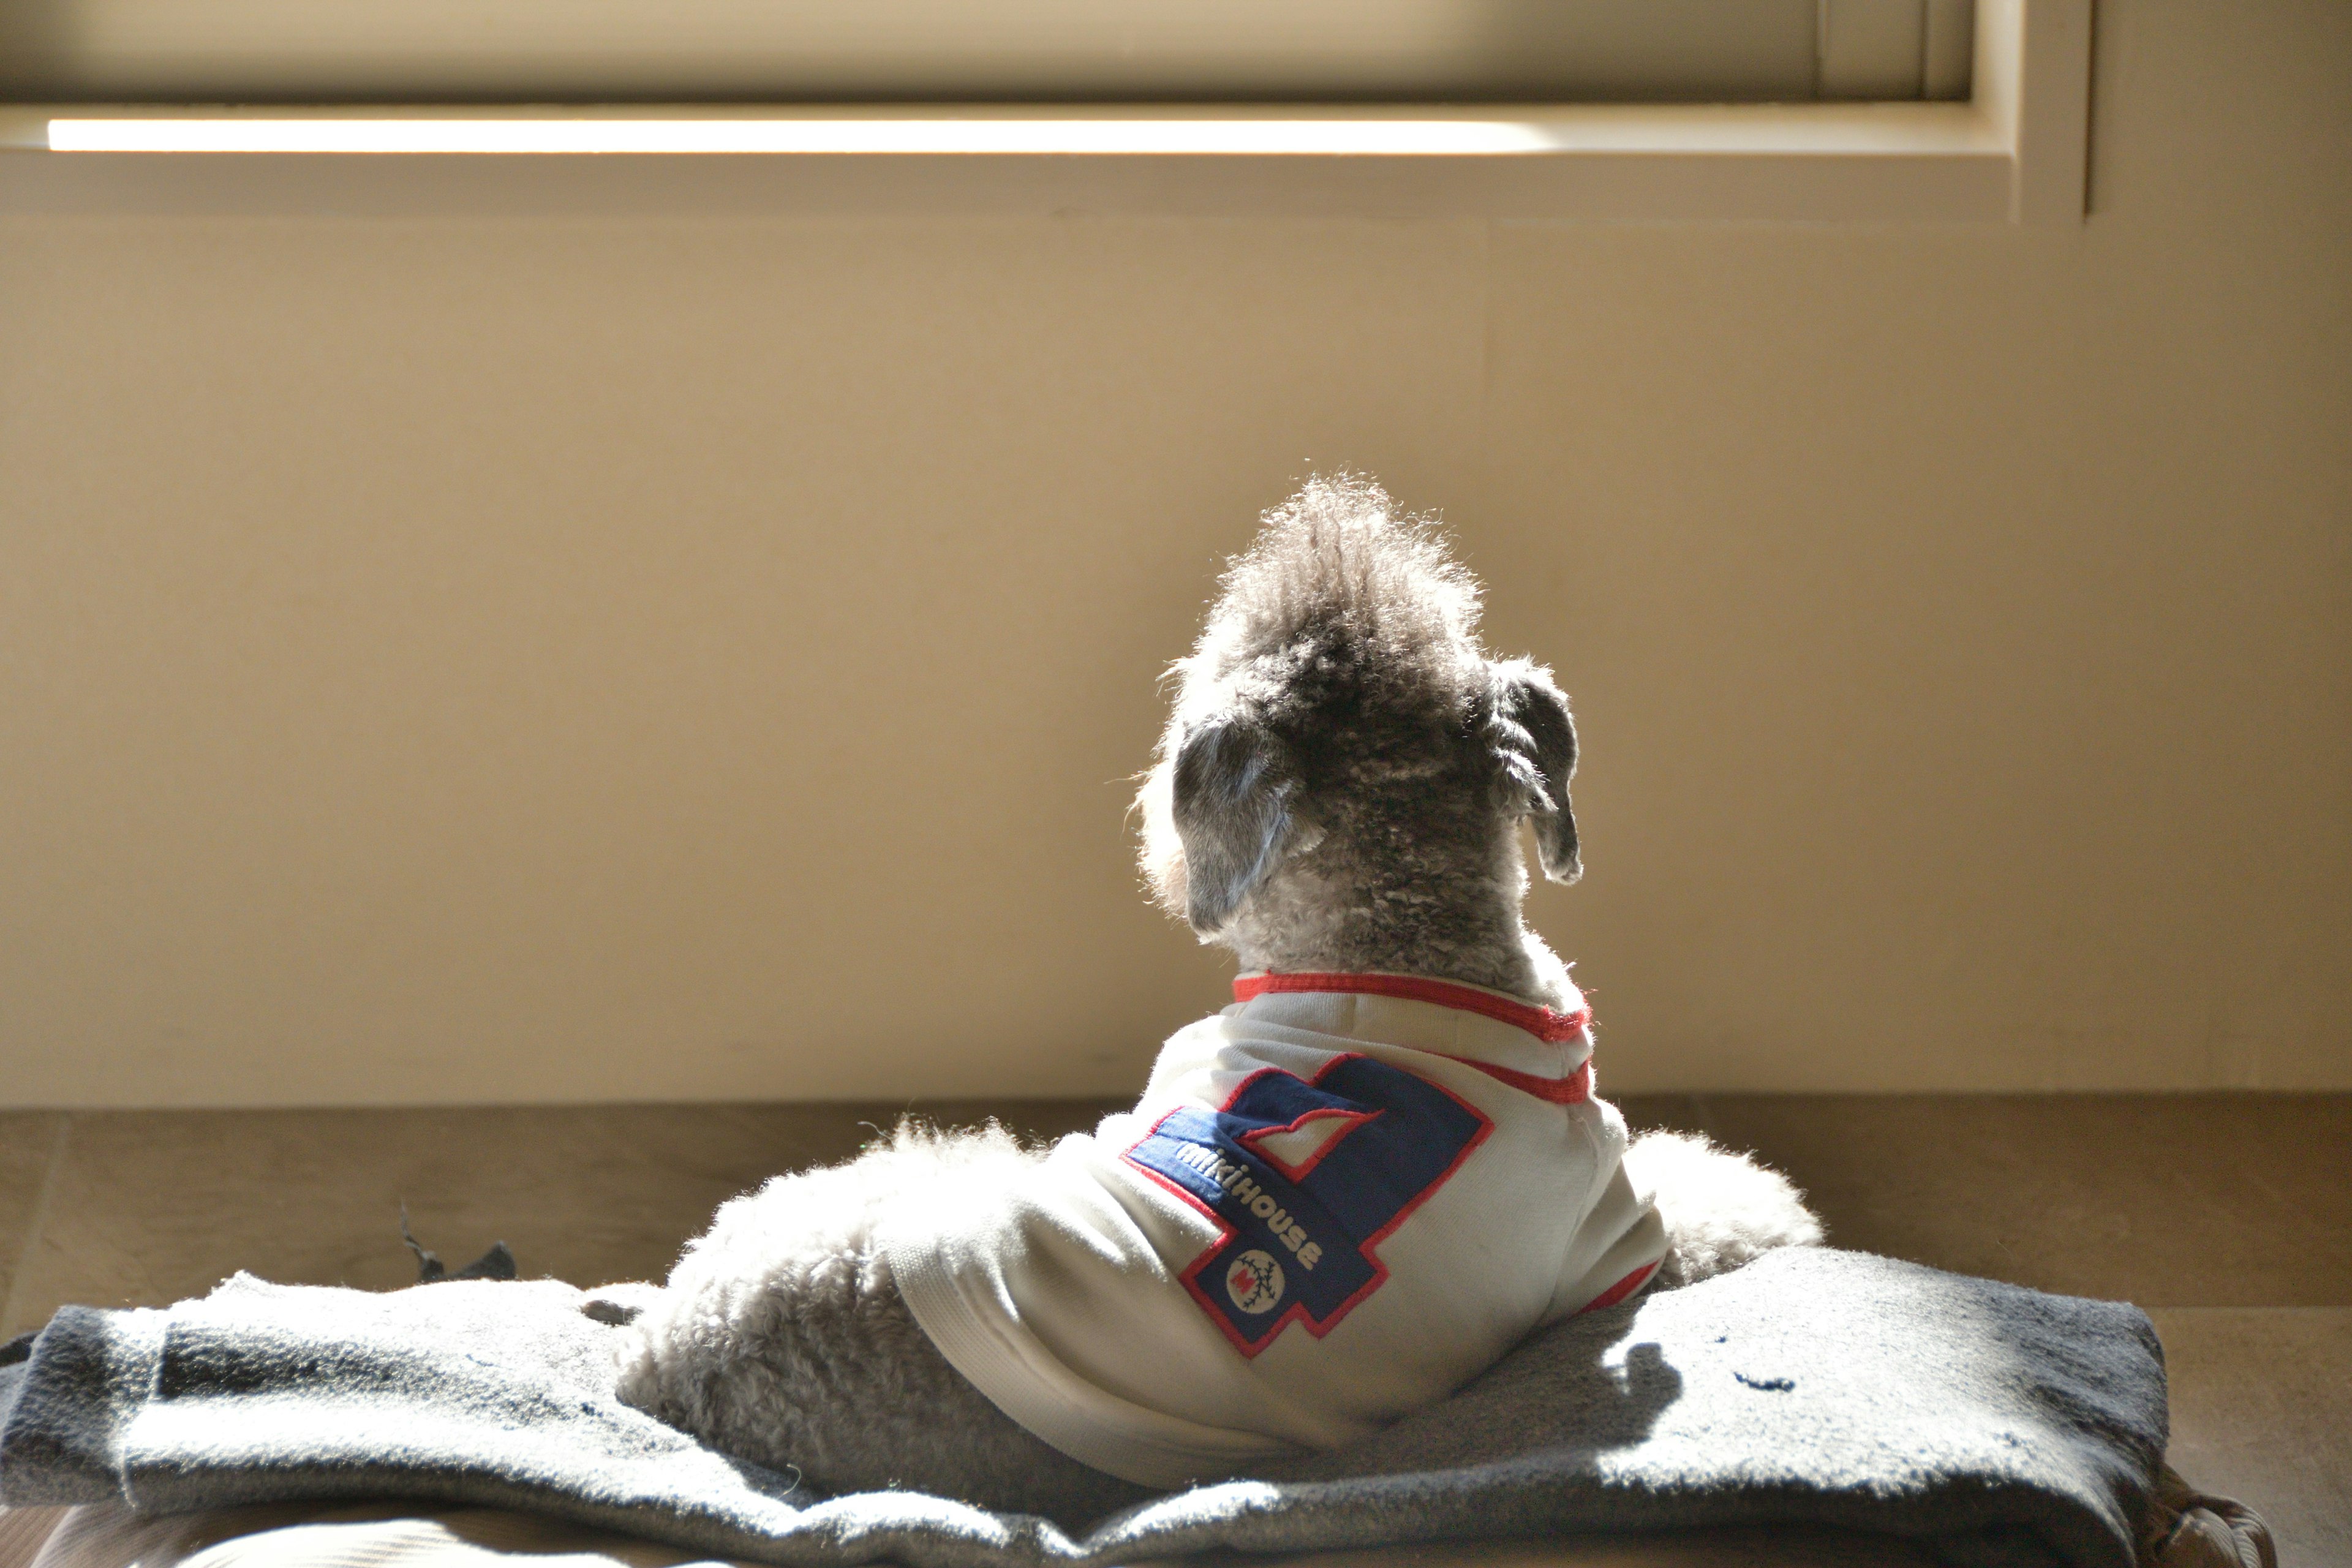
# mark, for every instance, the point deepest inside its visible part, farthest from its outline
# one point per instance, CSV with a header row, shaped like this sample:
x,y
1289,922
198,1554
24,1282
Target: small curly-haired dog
x,y
1335,1202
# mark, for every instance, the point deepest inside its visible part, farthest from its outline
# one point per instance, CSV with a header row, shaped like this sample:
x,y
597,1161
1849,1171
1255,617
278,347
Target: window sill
x,y
2014,154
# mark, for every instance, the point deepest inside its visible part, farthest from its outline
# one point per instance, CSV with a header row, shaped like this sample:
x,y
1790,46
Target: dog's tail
x,y
1722,1210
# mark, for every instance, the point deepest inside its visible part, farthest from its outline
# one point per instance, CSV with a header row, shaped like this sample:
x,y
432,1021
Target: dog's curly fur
x,y
1388,761
781,1337
1340,787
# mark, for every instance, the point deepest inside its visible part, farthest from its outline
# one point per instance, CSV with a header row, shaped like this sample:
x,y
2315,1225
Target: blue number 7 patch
x,y
1305,1179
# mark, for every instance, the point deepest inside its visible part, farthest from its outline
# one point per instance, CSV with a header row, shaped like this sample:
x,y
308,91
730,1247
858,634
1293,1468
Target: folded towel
x,y
2003,1428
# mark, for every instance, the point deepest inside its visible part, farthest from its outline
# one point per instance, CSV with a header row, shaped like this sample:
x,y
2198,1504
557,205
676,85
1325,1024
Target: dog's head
x,y
1340,726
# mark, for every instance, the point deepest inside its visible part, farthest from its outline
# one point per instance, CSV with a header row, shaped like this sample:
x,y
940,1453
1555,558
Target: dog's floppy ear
x,y
1536,741
1232,800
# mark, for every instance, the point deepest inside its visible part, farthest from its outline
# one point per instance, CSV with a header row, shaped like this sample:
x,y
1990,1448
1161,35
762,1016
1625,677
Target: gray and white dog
x,y
1341,788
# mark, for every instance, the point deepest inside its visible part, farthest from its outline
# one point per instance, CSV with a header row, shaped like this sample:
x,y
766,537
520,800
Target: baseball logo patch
x,y
1255,1282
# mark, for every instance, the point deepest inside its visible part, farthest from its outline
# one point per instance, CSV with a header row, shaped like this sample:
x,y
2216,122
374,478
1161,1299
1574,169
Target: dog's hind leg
x,y
1721,1209
781,1338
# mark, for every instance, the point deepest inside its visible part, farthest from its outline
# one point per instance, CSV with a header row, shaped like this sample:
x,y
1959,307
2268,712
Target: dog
x,y
1335,1202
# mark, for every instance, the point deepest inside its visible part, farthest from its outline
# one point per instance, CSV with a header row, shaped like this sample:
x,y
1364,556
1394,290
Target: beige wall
x,y
450,658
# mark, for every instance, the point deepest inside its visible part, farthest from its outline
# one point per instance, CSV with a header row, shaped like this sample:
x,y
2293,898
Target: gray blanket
x,y
2000,1425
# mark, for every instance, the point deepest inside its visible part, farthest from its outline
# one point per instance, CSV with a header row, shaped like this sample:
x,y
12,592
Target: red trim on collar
x,y
1542,1022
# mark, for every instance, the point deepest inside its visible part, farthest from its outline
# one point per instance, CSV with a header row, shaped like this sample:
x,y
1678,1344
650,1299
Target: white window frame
x,y
2014,153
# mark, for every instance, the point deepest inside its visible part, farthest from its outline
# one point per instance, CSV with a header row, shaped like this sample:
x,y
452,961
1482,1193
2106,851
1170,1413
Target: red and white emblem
x,y
1255,1282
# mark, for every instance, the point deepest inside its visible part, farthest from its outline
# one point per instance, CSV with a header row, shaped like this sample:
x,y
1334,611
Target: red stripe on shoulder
x,y
1573,1090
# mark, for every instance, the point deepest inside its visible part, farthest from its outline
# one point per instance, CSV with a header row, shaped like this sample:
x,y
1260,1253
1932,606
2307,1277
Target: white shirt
x,y
1338,1201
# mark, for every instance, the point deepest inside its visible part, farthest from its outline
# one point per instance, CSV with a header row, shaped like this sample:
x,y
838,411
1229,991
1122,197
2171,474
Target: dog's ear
x,y
1231,806
1536,742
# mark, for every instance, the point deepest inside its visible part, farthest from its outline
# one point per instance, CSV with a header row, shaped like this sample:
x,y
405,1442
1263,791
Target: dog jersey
x,y
1337,1201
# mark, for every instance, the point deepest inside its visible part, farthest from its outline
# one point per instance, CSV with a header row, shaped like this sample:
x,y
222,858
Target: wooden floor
x,y
2228,1216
